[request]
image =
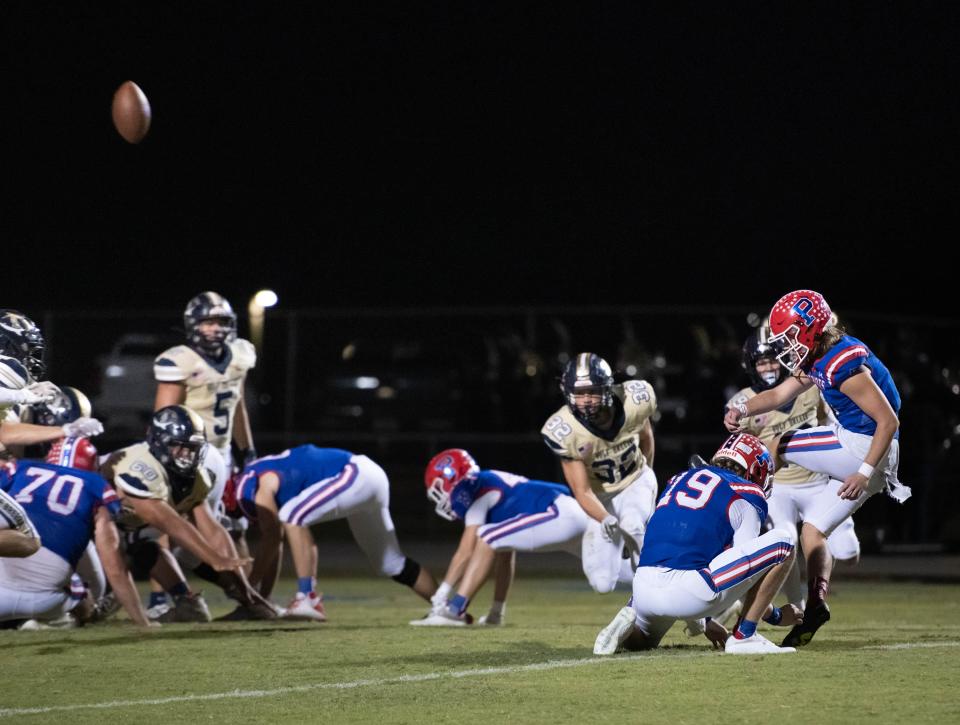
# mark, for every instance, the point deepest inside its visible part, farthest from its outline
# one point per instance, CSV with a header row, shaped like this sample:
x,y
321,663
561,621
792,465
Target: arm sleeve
x,y
477,513
745,521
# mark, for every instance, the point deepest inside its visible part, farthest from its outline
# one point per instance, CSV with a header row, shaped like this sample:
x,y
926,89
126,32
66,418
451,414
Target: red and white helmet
x,y
749,453
797,322
444,472
73,452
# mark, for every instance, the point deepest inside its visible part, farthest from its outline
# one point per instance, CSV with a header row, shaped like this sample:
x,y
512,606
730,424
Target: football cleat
x,y
814,617
307,609
442,618
612,637
754,645
188,608
158,610
492,620
248,613
105,607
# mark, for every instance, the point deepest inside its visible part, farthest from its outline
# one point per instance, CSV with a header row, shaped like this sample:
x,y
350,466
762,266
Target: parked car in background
x,y
127,387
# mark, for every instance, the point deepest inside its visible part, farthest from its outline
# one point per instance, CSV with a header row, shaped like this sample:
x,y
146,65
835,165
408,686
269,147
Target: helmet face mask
x,y
760,361
176,439
22,340
797,322
751,456
209,322
443,474
587,386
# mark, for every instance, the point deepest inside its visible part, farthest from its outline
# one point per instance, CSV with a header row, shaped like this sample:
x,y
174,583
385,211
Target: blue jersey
x,y
297,468
516,495
61,502
691,524
841,362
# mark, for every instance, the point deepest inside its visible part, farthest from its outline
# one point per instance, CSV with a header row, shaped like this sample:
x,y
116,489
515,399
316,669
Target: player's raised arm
x,y
766,401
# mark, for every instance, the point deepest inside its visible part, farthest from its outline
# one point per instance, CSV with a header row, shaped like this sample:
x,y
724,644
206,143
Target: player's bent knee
x,y
602,585
786,534
409,574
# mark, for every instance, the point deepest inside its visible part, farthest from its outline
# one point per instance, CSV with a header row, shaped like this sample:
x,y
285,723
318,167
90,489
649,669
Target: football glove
x,y
42,392
85,427
611,527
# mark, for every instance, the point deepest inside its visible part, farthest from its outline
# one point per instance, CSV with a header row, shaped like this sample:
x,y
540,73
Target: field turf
x,y
891,654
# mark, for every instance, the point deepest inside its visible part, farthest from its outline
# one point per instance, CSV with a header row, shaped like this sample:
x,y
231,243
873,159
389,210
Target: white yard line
x,y
479,672
913,645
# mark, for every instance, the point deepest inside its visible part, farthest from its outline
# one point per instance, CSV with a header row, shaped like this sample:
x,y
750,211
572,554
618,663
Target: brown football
x,y
131,112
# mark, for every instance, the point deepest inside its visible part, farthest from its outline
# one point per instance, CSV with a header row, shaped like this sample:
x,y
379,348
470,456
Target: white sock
x,y
498,608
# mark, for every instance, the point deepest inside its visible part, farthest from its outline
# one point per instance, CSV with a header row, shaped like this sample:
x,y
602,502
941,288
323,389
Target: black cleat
x,y
248,613
813,618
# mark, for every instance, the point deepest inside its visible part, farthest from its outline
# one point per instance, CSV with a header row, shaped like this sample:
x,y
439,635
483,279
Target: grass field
x,y
890,654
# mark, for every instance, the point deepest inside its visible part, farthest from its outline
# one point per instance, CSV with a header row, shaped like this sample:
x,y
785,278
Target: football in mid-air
x,y
131,112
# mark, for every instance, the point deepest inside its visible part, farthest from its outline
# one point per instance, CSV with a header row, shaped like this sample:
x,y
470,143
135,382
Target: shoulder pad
x,y
174,365
742,397
244,353
12,373
640,400
136,472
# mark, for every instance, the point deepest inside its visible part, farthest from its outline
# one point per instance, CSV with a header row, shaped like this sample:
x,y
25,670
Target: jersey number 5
x,y
221,412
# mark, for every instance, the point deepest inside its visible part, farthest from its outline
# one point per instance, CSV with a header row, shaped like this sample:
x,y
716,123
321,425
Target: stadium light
x,y
258,303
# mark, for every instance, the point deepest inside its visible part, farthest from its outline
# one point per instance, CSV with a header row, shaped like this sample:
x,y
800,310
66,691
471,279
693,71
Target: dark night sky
x,y
498,152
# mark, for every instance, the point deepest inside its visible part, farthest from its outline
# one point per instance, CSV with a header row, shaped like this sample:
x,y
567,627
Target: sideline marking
x,y
536,667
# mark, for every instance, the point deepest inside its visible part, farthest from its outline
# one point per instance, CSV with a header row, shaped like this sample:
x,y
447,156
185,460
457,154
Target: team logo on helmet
x,y
444,473
750,454
67,405
176,439
797,322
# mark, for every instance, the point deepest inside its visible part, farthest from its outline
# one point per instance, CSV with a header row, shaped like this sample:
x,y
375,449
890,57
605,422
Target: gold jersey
x,y
213,390
768,427
135,473
613,458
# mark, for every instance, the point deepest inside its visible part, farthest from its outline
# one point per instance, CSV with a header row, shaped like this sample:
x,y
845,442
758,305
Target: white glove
x,y
611,527
84,427
42,392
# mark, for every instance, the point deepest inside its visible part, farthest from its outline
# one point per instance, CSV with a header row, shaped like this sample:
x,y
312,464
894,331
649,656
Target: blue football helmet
x,y
176,439
68,405
204,307
22,340
587,385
